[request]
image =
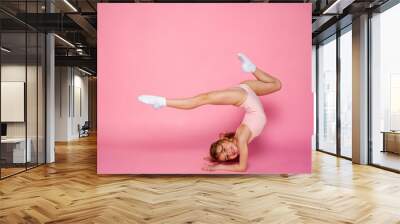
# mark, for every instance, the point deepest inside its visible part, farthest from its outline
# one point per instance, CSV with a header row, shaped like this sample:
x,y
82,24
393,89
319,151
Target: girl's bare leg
x,y
264,77
218,97
265,83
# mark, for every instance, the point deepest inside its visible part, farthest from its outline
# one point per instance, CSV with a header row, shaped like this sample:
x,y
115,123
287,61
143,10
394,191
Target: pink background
x,y
180,50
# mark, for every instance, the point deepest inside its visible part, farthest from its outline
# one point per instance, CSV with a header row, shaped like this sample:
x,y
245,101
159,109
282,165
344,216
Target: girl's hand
x,y
207,158
208,167
210,161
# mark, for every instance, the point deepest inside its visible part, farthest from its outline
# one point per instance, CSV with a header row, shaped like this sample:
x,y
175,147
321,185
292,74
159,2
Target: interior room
x,y
79,144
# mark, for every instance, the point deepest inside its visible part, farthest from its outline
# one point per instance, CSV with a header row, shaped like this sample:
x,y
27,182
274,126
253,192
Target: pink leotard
x,y
254,117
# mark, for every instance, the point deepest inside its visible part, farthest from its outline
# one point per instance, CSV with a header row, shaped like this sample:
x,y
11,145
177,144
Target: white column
x,y
50,92
360,90
50,110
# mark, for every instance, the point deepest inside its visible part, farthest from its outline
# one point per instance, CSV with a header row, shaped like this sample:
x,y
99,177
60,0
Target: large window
x,y
334,60
346,92
385,88
327,95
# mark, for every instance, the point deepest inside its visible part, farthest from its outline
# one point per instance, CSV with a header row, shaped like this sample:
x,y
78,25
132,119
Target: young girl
x,y
230,147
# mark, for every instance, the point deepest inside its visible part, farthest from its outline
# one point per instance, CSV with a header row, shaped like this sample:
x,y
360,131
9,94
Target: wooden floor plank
x,y
70,191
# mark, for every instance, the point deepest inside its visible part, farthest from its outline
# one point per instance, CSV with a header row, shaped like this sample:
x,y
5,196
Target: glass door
x,y
22,90
14,154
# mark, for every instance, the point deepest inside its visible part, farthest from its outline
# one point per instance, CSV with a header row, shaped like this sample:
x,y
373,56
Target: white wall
x,y
70,83
12,73
12,101
62,81
15,72
81,84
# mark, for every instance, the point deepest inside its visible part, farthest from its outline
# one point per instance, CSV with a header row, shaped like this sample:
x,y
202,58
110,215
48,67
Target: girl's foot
x,y
247,65
155,101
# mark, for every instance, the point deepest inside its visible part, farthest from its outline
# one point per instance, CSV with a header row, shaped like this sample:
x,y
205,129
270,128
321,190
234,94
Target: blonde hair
x,y
214,146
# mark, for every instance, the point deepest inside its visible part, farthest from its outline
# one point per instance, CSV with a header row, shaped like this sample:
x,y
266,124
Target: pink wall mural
x,y
181,50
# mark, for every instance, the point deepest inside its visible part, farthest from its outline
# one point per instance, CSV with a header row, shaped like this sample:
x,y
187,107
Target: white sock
x,y
247,65
155,101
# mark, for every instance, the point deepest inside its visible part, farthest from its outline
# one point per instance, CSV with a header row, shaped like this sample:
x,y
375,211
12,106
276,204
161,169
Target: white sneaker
x,y
247,65
155,101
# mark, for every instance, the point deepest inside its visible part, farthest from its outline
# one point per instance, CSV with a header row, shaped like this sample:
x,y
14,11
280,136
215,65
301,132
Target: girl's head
x,y
224,149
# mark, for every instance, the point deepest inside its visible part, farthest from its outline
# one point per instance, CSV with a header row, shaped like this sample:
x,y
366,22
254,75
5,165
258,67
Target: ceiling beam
x,y
83,61
337,6
86,26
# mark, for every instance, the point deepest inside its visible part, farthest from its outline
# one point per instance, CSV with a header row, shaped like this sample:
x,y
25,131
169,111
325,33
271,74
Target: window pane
x,y
314,78
31,100
346,93
386,88
327,96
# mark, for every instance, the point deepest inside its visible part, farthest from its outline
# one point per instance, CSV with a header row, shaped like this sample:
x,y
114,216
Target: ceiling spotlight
x,y
64,40
5,50
70,5
338,6
84,71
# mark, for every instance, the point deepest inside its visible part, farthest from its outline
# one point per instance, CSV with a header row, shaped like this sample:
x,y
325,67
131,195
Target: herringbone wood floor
x,y
70,191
